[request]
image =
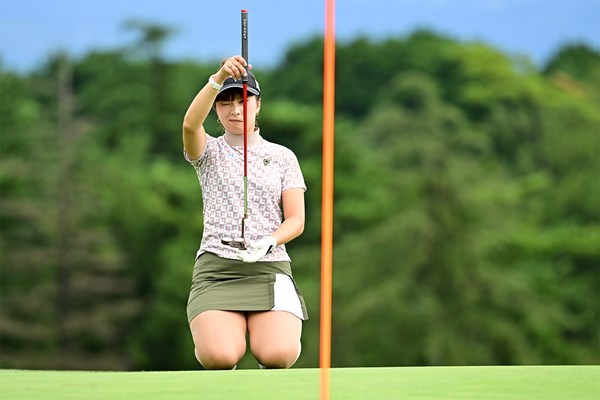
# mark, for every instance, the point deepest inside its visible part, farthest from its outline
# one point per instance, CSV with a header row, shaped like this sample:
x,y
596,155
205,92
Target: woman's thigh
x,y
219,337
275,337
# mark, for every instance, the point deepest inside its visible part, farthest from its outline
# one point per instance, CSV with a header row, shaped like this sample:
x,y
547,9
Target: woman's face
x,y
231,114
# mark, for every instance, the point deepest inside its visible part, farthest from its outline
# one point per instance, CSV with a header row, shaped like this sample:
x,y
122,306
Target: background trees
x,y
466,204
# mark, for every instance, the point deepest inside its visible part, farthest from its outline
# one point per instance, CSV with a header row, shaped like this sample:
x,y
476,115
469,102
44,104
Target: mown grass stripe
x,y
414,383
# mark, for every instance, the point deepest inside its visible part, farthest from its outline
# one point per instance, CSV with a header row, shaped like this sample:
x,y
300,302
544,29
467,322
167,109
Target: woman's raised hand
x,y
234,67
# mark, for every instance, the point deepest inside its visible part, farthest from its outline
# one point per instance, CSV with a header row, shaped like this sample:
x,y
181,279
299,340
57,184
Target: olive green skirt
x,y
233,285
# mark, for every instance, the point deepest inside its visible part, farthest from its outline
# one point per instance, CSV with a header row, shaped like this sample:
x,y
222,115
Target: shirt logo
x,y
266,162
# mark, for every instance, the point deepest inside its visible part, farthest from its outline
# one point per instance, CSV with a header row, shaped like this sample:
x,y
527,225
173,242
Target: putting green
x,y
414,383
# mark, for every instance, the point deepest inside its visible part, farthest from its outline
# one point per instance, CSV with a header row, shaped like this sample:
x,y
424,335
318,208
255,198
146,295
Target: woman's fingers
x,y
240,59
236,67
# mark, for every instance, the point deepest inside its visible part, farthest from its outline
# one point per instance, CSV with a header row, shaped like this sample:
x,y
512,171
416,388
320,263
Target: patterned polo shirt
x,y
272,169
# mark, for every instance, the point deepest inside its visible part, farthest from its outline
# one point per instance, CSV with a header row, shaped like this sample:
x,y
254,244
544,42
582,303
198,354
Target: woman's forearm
x,y
194,136
293,221
289,230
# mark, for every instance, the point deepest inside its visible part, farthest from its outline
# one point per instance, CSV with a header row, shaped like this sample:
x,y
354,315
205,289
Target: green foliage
x,y
578,65
466,204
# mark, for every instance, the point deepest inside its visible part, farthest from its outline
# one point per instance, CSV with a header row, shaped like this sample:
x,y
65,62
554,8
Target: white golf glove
x,y
257,250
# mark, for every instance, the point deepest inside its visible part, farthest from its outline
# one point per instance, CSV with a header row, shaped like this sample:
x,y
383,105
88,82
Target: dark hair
x,y
233,94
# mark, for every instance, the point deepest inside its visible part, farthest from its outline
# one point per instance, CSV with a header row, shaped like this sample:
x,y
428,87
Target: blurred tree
x,y
466,218
65,290
576,68
305,82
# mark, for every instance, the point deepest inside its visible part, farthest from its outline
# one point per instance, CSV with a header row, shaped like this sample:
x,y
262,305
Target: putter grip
x,y
245,39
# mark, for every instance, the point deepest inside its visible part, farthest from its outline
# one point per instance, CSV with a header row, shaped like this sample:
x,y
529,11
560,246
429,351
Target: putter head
x,y
236,243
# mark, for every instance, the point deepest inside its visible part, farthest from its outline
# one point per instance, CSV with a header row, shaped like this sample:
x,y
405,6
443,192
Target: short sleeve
x,y
292,178
207,149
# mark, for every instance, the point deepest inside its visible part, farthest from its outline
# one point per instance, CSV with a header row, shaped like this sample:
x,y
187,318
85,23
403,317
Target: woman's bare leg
x,y
275,338
219,338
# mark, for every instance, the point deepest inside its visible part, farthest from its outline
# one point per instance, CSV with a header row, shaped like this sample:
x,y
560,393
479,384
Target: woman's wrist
x,y
214,83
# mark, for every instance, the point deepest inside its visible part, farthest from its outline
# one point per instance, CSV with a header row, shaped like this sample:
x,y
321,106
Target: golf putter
x,y
240,242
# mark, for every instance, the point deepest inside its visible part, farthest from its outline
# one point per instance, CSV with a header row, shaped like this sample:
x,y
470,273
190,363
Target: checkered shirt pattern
x,y
272,169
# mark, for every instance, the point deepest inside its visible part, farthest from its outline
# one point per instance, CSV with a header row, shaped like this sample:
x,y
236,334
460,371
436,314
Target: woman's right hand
x,y
234,67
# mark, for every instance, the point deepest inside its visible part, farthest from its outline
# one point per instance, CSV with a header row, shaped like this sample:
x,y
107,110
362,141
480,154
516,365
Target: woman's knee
x,y
219,339
275,338
219,357
277,355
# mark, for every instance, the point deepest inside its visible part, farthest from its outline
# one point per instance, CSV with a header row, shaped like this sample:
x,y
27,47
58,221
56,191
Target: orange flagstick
x,y
327,201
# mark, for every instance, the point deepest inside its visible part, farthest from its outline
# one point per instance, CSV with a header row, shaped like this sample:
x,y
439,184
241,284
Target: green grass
x,y
414,383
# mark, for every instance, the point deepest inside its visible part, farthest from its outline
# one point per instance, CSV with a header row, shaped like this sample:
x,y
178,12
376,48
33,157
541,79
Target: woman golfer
x,y
233,290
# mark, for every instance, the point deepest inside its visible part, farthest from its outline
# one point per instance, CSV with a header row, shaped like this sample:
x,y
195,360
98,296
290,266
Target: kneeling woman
x,y
237,291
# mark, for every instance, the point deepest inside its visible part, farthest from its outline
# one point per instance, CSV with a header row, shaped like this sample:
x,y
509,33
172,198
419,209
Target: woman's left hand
x,y
257,250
